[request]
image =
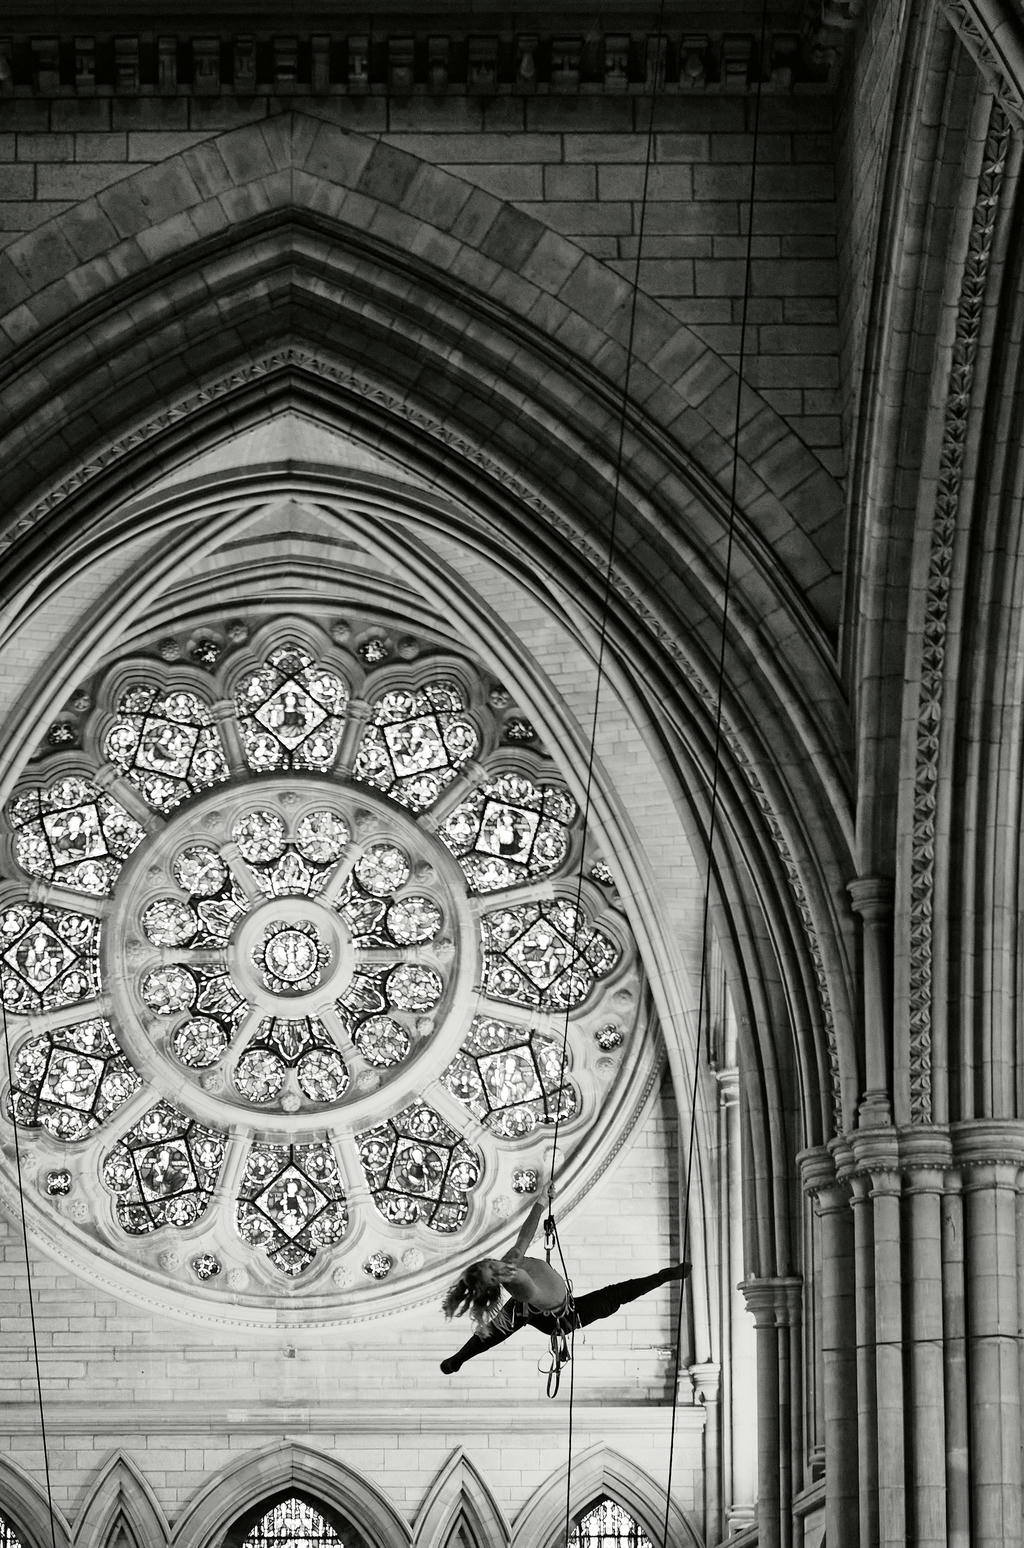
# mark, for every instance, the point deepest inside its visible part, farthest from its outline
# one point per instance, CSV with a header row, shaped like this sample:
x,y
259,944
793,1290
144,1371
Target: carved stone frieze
x,y
220,61
940,569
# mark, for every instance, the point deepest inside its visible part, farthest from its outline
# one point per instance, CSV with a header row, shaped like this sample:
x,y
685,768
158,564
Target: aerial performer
x,y
538,1297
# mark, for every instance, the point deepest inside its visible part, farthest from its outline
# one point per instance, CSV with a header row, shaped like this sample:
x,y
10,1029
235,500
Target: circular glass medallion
x,y
169,922
199,870
382,1041
383,869
259,836
259,1076
291,957
413,920
321,836
414,988
199,1043
169,989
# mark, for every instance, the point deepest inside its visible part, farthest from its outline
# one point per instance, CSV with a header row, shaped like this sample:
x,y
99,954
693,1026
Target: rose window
x,y
257,1000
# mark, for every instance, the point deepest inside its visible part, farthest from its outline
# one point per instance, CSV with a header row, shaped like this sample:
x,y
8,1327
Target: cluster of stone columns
x,y
920,1252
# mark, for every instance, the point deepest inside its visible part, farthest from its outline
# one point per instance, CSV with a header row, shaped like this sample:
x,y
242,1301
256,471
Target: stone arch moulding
x,y
600,1470
121,1499
458,1497
265,1473
457,261
25,1507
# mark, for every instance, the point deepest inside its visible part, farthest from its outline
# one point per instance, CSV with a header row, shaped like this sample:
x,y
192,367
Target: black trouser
x,y
589,1308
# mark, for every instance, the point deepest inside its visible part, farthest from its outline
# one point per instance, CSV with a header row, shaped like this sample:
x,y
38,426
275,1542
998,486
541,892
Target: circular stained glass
x,y
383,869
199,870
169,922
259,836
199,1043
414,988
291,957
322,1075
321,837
167,990
259,1076
413,920
382,1041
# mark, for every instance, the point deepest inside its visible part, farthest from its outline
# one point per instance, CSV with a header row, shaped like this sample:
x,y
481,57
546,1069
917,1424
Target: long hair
x,y
470,1294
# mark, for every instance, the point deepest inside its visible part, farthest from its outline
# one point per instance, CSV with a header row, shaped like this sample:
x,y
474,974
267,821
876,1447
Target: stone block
x,y
19,183
81,113
46,147
387,175
100,147
77,180
159,144
161,115
515,183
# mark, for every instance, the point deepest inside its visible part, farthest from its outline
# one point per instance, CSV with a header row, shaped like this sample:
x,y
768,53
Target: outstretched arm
x,y
527,1231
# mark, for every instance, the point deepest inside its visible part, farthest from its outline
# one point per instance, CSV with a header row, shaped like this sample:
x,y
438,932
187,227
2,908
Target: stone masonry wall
x,y
577,164
184,1401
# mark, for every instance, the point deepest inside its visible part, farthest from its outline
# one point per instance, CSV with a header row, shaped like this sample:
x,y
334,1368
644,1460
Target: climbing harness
x,y
561,1338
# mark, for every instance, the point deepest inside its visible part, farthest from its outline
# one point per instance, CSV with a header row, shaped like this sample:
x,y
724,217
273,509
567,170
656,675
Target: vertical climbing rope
x,y
30,1290
716,752
656,65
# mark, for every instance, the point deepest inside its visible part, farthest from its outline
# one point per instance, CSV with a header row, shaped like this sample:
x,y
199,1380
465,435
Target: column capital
x,y
872,897
728,1085
990,1142
773,1302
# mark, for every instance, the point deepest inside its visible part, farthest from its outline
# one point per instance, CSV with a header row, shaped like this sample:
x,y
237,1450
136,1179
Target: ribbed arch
x,y
238,1491
459,1510
121,1508
597,1473
26,1509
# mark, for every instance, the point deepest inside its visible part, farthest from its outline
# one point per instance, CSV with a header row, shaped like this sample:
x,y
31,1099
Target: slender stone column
x,y
926,1157
872,899
958,1459
991,1155
838,1346
876,1156
775,1307
864,1311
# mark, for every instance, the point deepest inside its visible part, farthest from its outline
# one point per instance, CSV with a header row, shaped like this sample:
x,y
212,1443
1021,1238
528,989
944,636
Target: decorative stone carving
x,y
933,661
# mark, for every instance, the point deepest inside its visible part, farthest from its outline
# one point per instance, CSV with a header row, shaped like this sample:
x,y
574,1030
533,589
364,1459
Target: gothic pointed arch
x,y
267,1475
25,1507
121,1507
459,1510
597,1472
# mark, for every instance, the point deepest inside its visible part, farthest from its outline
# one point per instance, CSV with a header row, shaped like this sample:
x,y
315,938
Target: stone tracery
x,y
284,944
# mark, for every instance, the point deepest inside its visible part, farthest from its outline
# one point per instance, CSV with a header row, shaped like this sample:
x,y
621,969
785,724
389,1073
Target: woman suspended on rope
x,y
538,1296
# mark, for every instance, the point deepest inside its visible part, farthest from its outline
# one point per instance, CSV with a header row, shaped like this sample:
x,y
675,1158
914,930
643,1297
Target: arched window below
x,y
608,1525
291,1522
8,1536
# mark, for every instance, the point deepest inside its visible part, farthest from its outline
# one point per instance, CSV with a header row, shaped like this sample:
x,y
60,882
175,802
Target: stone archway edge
x,y
436,221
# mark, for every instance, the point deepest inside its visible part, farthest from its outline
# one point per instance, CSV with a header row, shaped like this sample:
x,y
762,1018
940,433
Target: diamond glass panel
x,y
164,1171
69,1082
167,745
73,834
509,832
511,1079
544,955
291,713
419,1170
48,958
416,743
291,1203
